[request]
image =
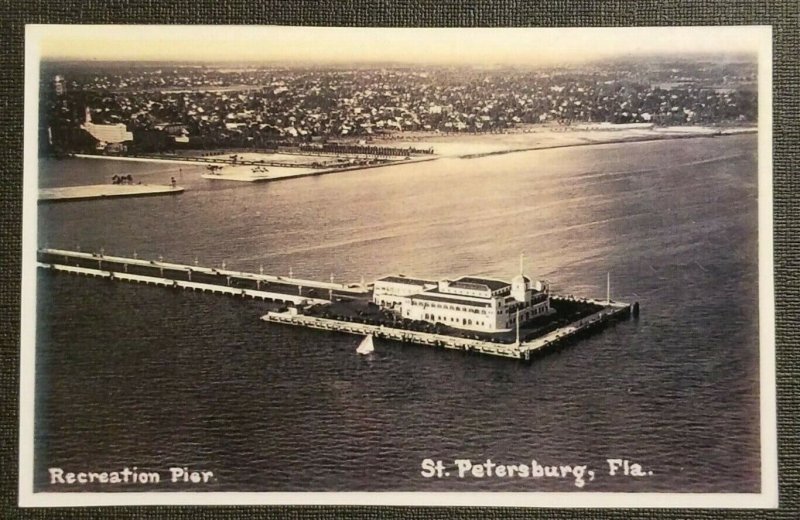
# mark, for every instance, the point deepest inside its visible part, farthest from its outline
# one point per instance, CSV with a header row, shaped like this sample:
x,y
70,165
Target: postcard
x,y
393,266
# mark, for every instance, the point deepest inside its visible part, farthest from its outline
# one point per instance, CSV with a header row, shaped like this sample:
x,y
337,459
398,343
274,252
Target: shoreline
x,y
288,176
463,146
642,139
473,146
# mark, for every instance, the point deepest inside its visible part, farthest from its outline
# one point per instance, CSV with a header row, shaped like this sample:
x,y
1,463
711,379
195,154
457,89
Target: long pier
x,y
179,284
194,277
300,292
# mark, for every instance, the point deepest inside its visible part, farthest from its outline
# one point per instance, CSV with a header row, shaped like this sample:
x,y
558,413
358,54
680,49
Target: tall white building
x,y
472,303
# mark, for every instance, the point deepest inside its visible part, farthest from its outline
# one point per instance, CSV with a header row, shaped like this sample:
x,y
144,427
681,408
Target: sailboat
x,y
366,346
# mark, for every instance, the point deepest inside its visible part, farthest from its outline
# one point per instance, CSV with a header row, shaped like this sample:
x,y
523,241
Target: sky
x,y
503,46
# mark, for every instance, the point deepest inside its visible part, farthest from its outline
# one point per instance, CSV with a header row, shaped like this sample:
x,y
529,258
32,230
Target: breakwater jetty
x,y
302,295
102,191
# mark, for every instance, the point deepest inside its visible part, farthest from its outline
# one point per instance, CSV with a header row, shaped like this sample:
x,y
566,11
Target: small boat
x,y
366,346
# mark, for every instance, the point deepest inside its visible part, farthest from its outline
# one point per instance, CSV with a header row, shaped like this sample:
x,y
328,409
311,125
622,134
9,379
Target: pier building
x,y
471,303
392,291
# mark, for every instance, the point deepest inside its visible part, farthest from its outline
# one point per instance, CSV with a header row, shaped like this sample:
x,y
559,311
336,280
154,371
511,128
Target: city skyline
x,y
440,46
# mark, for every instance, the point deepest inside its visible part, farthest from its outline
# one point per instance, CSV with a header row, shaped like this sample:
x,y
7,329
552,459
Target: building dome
x,y
521,279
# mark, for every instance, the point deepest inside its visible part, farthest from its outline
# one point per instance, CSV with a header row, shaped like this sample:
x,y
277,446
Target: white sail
x,y
366,345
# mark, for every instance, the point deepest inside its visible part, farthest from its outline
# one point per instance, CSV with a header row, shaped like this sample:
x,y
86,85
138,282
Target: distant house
x,y
172,128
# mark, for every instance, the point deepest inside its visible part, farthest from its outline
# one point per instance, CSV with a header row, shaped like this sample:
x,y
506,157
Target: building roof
x,y
116,133
471,282
405,280
456,301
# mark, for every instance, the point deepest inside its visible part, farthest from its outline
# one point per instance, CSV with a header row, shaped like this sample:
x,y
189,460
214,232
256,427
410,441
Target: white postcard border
x,y
767,498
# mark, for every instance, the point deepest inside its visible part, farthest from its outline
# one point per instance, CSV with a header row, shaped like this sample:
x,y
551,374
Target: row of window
x,y
525,315
460,308
446,319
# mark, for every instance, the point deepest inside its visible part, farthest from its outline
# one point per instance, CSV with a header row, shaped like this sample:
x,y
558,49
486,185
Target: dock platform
x,y
102,191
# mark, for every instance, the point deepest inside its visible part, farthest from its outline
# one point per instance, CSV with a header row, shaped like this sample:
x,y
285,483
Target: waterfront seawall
x,y
105,191
525,350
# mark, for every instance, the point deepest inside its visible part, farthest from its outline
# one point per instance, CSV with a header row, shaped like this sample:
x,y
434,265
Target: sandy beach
x,y
537,138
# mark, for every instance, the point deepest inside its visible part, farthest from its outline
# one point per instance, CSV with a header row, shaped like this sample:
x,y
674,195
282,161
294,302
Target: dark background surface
x,y
784,16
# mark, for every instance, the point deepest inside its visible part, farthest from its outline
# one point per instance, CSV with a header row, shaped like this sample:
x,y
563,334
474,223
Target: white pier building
x,y
472,303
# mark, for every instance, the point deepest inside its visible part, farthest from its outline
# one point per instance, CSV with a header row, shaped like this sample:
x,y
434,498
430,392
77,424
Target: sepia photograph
x,y
395,266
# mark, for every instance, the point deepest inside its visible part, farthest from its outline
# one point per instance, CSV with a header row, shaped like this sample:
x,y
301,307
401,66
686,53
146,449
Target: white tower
x,y
521,284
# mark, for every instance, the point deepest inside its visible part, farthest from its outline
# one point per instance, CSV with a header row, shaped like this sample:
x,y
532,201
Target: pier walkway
x,y
159,272
179,284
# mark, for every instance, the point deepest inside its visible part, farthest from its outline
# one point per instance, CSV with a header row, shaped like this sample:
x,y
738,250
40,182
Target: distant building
x,y
472,303
107,136
614,126
59,85
172,128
